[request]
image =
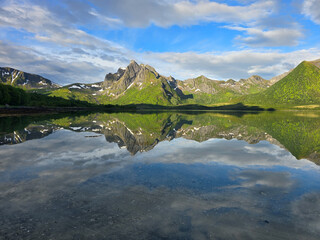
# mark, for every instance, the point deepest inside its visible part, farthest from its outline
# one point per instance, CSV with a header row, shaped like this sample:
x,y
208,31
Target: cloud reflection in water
x,y
67,185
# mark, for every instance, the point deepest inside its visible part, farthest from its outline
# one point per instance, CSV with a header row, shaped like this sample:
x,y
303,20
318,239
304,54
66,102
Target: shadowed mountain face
x,y
19,78
297,132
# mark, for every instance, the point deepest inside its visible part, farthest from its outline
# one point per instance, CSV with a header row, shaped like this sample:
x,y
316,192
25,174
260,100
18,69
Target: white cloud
x,y
59,67
76,66
141,13
269,38
48,28
233,64
311,8
57,50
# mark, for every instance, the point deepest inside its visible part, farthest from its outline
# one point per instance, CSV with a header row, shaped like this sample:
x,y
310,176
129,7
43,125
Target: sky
x,y
72,41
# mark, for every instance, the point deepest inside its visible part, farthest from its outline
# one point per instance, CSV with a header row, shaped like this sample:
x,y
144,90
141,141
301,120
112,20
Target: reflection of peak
x,y
140,140
28,133
294,132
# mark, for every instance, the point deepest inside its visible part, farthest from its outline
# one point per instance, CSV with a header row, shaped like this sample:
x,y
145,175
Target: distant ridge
x,y
300,86
19,78
142,84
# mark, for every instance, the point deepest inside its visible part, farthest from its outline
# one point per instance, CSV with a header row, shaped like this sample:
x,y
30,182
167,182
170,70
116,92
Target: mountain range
x,y
142,84
26,80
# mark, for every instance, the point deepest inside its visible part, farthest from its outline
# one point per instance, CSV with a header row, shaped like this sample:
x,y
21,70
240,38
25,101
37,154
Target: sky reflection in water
x,y
71,186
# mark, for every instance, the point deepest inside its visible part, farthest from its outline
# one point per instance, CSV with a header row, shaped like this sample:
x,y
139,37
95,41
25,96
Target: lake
x,y
160,175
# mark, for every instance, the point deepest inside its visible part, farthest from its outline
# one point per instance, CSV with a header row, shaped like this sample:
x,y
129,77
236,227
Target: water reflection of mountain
x,y
299,133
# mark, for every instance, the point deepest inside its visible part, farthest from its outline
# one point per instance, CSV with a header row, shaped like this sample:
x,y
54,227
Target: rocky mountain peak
x,y
133,68
256,77
231,81
111,78
202,77
131,71
252,79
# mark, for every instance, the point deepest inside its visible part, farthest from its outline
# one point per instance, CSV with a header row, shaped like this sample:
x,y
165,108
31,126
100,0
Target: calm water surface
x,y
160,176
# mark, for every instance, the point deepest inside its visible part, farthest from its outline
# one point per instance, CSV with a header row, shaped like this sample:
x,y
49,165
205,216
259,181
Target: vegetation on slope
x,y
141,84
151,91
298,133
300,87
18,97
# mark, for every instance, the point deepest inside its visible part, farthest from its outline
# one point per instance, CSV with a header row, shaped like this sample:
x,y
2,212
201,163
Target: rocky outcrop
x,y
200,84
111,78
254,79
126,78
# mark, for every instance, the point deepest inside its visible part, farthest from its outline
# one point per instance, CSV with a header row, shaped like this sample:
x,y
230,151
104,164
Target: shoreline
x,y
25,110
30,110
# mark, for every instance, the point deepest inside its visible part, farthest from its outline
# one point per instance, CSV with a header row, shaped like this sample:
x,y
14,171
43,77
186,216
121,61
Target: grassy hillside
x,y
18,97
300,87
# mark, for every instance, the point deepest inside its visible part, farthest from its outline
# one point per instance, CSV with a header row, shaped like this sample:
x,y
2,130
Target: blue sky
x,y
80,41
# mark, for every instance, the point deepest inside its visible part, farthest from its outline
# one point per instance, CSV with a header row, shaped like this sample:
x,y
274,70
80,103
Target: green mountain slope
x,y
151,89
142,84
19,97
82,92
134,85
299,87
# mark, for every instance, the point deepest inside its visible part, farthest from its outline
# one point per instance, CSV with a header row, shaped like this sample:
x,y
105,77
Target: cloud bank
x,y
67,41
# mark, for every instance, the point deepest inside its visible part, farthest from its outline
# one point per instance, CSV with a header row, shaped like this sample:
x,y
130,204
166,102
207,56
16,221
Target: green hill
x,y
18,97
299,87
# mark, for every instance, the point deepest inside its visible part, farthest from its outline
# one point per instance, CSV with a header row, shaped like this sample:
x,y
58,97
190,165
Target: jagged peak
x,y
256,77
202,77
231,81
133,62
133,66
171,78
150,68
